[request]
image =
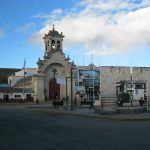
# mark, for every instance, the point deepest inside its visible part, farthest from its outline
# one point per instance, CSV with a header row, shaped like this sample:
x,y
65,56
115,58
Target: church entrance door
x,y
54,90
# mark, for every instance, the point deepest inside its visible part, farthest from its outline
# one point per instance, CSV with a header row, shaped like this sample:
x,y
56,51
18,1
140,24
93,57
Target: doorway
x,y
6,97
54,89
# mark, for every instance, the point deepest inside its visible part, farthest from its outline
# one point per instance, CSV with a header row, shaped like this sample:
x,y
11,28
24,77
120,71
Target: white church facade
x,y
48,81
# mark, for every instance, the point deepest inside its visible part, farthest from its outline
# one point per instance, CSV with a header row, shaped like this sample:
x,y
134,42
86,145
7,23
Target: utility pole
x,y
24,79
131,74
92,75
71,78
71,91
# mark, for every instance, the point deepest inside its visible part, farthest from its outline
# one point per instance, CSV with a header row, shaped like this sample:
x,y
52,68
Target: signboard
x,y
61,81
80,88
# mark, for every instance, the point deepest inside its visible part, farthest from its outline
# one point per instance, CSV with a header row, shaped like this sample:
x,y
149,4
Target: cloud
x,y
104,27
55,14
25,28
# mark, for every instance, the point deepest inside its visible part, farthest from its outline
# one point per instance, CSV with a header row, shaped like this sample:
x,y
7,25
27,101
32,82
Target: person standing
x,y
37,101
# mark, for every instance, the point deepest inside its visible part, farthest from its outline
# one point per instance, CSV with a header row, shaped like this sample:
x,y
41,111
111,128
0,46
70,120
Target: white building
x,y
15,78
16,94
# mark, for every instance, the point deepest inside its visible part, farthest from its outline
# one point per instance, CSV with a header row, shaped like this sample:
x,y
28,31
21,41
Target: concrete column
x,y
39,88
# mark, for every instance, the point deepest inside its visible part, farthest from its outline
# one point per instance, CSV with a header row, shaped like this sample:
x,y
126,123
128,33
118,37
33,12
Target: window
x,y
53,44
80,83
90,73
136,92
17,96
139,86
80,72
58,44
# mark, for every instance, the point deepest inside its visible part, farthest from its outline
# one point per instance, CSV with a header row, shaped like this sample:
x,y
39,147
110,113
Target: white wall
x,y
12,95
13,80
1,95
138,93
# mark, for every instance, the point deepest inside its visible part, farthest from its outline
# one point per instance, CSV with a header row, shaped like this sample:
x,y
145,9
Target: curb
x,y
98,116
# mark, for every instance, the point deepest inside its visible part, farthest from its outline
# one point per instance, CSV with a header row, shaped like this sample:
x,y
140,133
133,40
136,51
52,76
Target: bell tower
x,y
47,83
53,42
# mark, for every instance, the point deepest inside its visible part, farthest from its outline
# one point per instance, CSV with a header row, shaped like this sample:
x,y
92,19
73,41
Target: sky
x,y
103,32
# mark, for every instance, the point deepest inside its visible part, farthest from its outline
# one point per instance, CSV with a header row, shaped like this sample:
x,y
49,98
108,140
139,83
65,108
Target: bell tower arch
x,y
53,42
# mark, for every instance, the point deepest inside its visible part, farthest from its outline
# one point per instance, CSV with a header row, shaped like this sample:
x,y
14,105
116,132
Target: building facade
x,y
57,76
15,94
50,80
114,77
88,81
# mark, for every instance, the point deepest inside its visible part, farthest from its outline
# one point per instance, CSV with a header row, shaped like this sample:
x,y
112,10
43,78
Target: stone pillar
x,y
39,88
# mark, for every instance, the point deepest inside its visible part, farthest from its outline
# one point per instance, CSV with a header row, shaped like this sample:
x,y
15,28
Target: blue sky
x,y
112,31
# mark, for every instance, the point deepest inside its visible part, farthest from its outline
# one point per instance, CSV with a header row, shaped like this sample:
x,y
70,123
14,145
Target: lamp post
x,y
67,98
71,92
71,76
131,90
93,87
45,93
67,87
23,84
131,74
24,80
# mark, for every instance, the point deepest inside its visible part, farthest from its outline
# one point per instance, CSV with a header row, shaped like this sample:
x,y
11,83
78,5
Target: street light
x,y
67,86
45,91
72,68
67,90
23,83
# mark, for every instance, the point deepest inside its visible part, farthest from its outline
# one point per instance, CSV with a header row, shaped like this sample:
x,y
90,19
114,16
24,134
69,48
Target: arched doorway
x,y
54,89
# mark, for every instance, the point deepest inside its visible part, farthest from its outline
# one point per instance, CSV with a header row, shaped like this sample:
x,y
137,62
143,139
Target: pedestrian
x,y
67,100
75,101
37,101
92,105
141,101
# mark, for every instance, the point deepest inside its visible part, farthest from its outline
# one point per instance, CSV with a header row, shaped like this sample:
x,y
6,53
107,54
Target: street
x,y
24,129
